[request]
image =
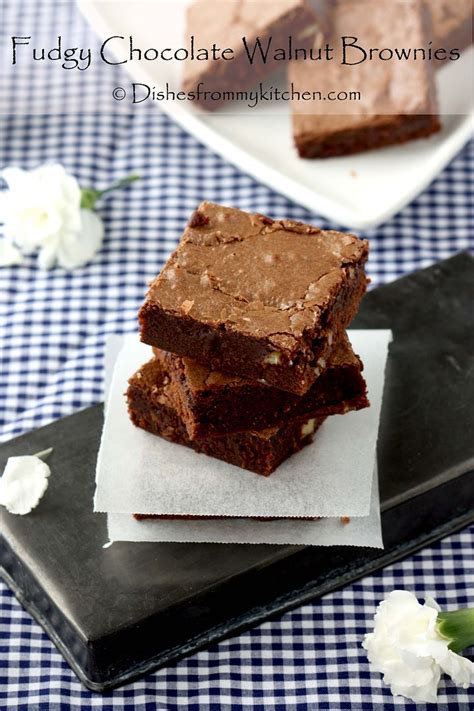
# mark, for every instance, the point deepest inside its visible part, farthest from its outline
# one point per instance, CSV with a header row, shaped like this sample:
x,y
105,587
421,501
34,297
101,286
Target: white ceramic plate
x,y
359,191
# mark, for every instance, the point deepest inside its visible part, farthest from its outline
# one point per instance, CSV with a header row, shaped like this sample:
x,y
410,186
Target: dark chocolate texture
x,y
212,402
152,406
177,517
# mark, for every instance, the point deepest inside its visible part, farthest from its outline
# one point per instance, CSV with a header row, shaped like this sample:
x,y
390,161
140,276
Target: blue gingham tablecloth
x,y
53,331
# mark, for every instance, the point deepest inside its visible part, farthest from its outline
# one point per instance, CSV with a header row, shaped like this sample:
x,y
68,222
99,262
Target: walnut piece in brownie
x,y
397,97
260,298
211,402
152,406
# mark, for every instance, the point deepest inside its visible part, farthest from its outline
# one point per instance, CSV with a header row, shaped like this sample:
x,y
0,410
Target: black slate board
x,y
120,612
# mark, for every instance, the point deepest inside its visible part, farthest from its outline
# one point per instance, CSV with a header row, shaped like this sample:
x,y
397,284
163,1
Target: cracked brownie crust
x,y
261,298
212,402
152,406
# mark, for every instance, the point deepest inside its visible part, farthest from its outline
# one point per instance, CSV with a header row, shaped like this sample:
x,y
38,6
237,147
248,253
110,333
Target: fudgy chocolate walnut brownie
x,y
397,101
260,298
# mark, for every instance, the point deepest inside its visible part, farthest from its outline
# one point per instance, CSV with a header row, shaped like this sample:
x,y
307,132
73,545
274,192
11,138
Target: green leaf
x,y
89,196
457,627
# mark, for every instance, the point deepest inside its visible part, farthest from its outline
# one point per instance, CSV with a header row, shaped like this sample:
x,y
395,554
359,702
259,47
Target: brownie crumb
x,y
345,520
265,220
198,219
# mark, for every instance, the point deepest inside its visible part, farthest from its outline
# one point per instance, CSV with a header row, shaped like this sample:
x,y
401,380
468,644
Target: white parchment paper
x,y
360,531
139,472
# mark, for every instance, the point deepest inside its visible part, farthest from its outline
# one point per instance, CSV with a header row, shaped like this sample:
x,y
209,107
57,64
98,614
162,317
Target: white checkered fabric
x,y
53,330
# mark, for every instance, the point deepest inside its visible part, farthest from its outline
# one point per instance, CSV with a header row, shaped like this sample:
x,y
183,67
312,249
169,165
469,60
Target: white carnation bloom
x,y
24,481
408,650
42,211
74,248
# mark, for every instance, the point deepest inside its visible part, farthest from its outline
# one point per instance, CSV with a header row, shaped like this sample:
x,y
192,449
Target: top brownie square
x,y
261,298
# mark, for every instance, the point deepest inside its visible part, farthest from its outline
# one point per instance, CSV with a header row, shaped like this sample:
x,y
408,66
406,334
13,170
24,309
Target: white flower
x,y
40,205
74,248
42,211
407,648
24,481
45,209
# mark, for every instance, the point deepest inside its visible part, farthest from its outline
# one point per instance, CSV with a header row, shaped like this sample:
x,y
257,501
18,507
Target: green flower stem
x,y
120,184
457,627
89,196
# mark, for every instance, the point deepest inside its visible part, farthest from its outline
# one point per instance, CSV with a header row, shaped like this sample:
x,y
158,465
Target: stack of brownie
x,y
247,322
